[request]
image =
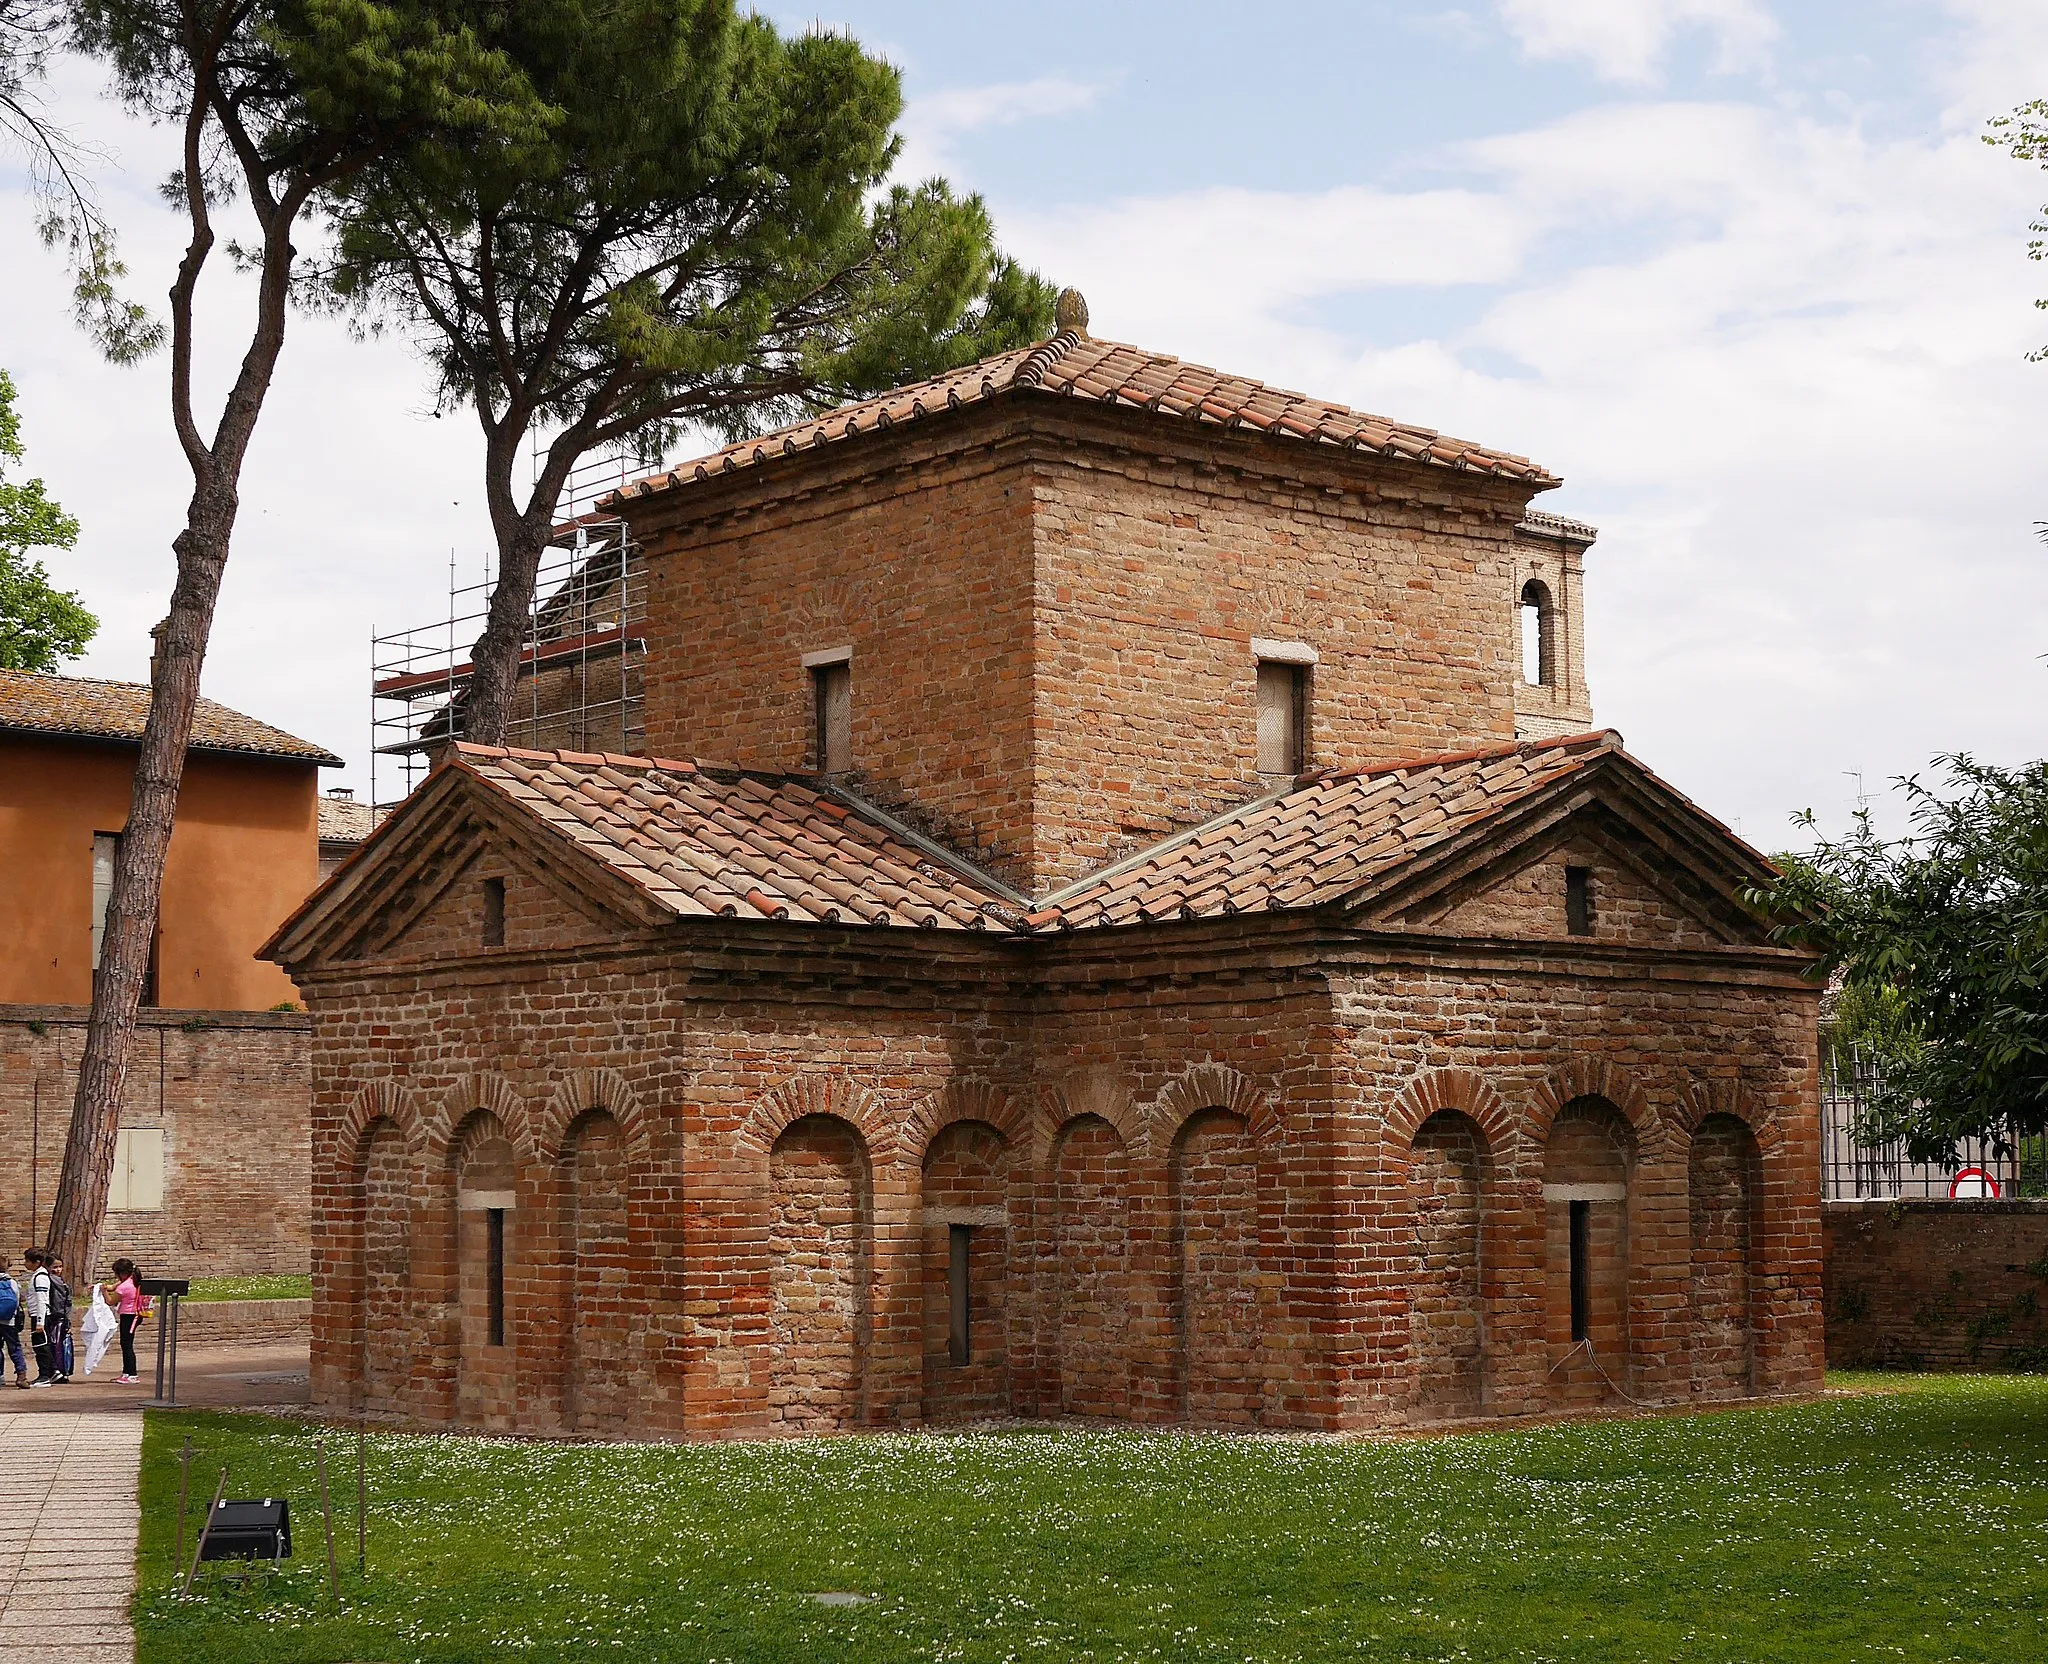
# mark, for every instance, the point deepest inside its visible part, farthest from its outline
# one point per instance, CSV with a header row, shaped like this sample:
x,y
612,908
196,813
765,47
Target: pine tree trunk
x,y
487,711
522,538
81,1205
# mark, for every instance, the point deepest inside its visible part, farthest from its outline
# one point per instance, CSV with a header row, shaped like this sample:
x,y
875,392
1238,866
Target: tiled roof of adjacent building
x,y
711,842
79,705
1556,525
345,821
1076,366
1319,841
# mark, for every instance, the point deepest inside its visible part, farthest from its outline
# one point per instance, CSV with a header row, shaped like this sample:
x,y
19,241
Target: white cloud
x,y
1626,40
932,124
1779,362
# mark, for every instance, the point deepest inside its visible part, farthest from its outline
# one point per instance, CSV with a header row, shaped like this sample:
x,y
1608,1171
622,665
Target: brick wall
x,y
925,575
1157,566
1187,1154
1937,1285
1051,618
230,1091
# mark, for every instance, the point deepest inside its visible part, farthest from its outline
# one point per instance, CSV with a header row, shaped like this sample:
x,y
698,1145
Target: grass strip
x,y
1910,1523
282,1286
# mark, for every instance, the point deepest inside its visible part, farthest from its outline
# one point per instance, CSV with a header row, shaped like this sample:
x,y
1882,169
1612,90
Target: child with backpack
x,y
41,1299
60,1318
11,1316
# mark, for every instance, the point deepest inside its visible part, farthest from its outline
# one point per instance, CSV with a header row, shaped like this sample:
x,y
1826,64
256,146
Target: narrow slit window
x,y
1582,1282
494,1275
494,912
832,706
1283,702
1539,635
1578,900
960,1337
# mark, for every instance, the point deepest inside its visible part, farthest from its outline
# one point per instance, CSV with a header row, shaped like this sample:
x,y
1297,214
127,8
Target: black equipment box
x,y
250,1531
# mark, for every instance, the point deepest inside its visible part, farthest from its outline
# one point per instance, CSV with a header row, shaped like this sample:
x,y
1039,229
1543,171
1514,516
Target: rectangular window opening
x,y
832,709
106,851
494,1226
1582,1283
494,912
1578,900
1283,714
960,1339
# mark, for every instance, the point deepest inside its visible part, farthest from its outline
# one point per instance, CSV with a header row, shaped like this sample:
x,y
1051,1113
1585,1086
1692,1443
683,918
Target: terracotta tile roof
x,y
345,821
711,842
1077,366
78,705
1318,841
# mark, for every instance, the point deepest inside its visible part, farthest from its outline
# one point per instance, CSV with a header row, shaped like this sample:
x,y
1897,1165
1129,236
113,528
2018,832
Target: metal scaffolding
x,y
580,666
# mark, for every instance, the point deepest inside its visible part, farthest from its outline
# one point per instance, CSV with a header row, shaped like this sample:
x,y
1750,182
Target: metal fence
x,y
1852,1171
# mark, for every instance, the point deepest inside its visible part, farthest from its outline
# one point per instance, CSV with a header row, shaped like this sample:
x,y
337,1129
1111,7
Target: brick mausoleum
x,y
1144,949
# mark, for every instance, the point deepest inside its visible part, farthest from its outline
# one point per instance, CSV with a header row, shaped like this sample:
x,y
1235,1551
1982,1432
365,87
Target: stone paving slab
x,y
67,1556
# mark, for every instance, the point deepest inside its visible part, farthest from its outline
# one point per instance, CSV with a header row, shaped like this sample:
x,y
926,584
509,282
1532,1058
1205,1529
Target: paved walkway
x,y
67,1535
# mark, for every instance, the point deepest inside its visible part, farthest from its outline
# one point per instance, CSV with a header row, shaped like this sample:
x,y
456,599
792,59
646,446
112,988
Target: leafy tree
x,y
1941,939
276,102
68,211
40,627
705,238
2024,133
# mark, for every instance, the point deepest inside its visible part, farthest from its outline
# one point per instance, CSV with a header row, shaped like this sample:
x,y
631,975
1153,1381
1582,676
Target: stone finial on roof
x,y
1070,312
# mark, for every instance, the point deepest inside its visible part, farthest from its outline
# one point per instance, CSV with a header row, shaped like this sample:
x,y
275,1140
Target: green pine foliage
x,y
706,237
41,626
1941,941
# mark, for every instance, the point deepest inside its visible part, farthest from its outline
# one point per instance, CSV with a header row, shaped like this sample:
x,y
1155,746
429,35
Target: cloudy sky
x,y
1743,273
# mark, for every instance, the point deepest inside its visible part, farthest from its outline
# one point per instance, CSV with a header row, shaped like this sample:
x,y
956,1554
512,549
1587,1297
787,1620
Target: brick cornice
x,y
1006,434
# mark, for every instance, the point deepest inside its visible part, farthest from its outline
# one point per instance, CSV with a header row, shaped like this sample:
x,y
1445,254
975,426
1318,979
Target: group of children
x,y
43,1308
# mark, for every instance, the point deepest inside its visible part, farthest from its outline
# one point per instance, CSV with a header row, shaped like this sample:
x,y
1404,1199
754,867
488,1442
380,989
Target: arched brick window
x,y
1539,635
602,1308
821,1257
1722,1181
387,1323
1446,1174
1092,1256
1588,1170
966,1260
1217,1305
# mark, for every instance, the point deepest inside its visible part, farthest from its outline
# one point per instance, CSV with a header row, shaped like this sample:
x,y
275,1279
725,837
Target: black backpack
x,y
60,1299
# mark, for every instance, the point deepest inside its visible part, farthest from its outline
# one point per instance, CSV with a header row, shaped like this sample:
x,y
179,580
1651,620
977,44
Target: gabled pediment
x,y
417,888
1658,872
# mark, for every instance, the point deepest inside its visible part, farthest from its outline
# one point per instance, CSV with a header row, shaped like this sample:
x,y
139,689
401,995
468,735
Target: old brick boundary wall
x,y
1936,1285
232,1093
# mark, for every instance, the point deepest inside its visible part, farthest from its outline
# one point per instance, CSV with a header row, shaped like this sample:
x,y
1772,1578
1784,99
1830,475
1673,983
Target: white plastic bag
x,y
99,1329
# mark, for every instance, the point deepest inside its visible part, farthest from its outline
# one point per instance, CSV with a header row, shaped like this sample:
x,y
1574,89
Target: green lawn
x,y
282,1286
1904,1524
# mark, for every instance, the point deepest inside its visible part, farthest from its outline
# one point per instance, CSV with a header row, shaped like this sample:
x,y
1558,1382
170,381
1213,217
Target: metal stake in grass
x,y
184,1500
327,1515
362,1507
206,1530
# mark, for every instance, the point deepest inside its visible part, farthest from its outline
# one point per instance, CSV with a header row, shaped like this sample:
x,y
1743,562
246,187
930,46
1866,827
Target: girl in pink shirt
x,y
128,1300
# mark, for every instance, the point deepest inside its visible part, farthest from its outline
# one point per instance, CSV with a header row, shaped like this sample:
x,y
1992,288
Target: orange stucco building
x,y
244,852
